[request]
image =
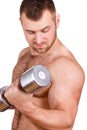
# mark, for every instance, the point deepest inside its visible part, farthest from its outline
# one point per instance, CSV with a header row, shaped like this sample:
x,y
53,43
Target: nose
x,y
38,38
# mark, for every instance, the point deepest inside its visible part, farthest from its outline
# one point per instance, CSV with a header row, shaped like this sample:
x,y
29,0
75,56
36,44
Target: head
x,y
38,18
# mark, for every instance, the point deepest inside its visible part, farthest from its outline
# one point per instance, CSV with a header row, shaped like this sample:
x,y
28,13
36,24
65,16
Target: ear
x,y
57,20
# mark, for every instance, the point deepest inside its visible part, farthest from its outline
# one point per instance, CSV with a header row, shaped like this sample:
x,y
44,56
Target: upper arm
x,y
67,83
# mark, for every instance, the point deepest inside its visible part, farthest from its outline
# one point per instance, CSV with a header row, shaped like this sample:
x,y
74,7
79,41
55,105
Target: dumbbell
x,y
31,81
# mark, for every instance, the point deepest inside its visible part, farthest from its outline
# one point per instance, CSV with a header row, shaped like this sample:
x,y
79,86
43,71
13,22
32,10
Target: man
x,y
54,108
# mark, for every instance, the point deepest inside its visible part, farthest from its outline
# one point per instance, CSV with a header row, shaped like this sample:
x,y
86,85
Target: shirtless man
x,y
55,107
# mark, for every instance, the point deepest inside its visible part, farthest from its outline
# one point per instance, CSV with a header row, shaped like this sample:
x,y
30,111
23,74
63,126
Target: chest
x,y
27,62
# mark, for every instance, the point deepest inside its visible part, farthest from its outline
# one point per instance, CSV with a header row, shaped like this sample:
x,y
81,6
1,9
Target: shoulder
x,y
65,69
23,52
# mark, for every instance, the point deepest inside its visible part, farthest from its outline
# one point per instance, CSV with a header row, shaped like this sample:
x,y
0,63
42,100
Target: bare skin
x,y
55,107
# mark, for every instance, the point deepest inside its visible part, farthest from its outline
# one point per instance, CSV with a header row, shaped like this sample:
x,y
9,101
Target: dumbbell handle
x,y
31,81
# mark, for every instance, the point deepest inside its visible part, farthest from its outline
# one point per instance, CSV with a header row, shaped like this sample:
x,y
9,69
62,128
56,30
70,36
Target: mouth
x,y
40,46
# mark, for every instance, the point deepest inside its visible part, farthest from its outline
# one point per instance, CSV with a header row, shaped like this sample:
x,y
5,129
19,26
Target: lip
x,y
40,46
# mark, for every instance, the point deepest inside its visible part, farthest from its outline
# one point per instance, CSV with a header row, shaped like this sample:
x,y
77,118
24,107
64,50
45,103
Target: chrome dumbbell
x,y
31,81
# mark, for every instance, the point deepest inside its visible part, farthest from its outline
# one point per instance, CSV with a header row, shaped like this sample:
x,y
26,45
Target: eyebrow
x,y
47,27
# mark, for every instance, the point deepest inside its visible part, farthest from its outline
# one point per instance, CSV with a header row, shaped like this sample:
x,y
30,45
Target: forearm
x,y
48,119
52,119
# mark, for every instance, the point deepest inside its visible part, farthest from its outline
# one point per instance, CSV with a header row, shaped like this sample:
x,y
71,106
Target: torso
x,y
21,122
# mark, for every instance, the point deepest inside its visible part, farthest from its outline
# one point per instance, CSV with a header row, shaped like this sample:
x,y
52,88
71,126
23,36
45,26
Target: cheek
x,y
28,37
51,35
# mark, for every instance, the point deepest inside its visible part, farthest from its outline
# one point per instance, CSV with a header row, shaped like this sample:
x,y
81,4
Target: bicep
x,y
66,88
64,100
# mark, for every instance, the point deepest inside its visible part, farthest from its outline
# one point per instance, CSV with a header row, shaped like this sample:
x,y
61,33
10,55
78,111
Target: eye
x,y
30,32
45,29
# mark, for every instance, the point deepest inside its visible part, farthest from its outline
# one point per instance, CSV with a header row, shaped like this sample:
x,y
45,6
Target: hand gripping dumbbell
x,y
31,81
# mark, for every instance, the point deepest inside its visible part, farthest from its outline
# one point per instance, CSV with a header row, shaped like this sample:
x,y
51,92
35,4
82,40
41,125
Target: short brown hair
x,y
34,9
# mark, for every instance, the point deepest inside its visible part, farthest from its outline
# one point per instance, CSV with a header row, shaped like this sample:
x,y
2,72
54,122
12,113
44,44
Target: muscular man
x,y
55,107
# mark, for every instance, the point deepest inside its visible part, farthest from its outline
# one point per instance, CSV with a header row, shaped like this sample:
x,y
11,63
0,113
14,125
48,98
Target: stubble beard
x,y
45,49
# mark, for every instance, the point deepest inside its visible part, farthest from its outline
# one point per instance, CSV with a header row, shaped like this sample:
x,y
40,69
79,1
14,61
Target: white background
x,y
72,32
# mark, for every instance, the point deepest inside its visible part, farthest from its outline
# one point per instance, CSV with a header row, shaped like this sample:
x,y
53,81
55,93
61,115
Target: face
x,y
40,34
